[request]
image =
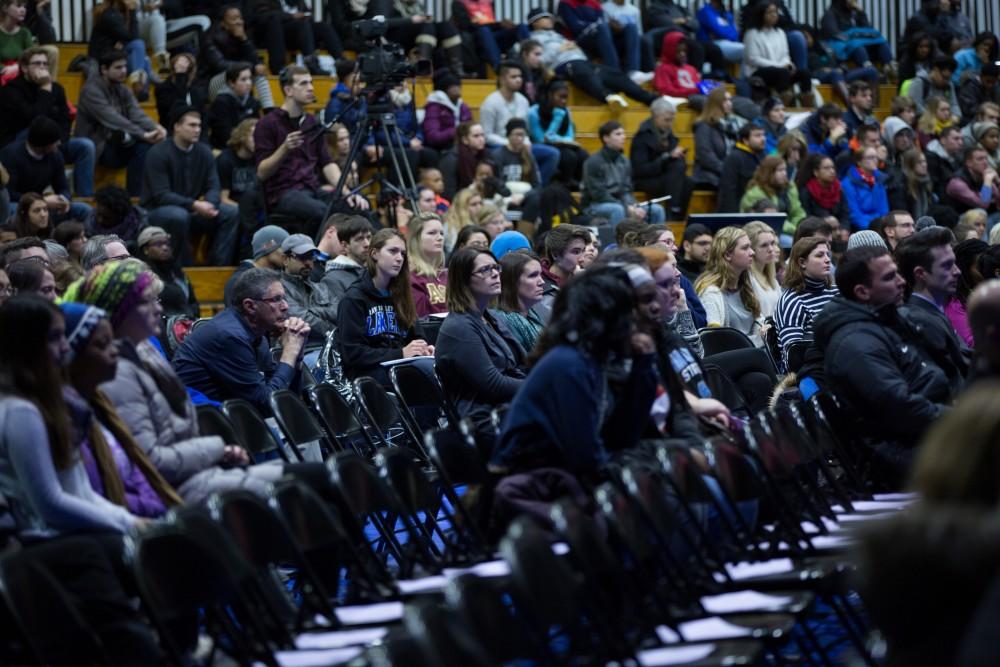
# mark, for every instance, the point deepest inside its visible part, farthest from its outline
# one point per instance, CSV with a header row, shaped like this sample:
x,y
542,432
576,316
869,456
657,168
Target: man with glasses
x,y
230,357
24,248
306,299
102,248
34,93
896,226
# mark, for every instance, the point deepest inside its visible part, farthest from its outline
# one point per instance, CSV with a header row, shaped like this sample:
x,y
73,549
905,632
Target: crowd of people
x,y
565,350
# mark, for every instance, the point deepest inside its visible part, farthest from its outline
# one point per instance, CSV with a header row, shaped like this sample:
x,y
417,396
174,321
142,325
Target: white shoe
x,y
640,77
617,100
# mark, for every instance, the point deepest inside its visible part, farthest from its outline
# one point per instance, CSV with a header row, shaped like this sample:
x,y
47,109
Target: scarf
x,y
869,179
828,196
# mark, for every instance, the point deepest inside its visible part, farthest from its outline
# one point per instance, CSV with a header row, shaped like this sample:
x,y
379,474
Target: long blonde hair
x,y
719,273
769,276
713,110
421,264
458,213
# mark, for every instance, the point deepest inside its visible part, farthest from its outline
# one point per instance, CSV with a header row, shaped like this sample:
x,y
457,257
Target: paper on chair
x,y
728,603
422,585
380,612
339,638
873,506
903,497
325,658
828,541
848,518
493,568
712,627
738,571
675,655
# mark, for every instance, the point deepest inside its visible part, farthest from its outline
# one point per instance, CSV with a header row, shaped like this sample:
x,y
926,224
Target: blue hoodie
x,y
714,24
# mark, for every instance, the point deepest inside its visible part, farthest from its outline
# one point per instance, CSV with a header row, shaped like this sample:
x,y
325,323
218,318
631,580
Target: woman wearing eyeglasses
x,y
478,359
377,318
864,189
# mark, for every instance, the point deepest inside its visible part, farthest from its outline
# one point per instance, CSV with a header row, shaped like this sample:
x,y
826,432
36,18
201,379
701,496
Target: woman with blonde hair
x,y
936,117
462,213
724,286
764,270
770,181
428,275
492,219
793,148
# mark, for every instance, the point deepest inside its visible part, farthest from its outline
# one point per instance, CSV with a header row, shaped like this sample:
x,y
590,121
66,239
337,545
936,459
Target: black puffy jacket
x,y
874,365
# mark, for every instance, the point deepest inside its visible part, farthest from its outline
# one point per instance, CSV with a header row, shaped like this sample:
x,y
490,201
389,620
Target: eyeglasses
x,y
38,63
484,271
273,300
118,258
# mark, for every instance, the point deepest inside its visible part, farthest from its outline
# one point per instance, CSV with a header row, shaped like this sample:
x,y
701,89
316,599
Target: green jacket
x,y
787,202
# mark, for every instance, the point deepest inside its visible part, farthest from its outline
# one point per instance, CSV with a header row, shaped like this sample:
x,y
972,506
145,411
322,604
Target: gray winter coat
x,y
188,461
340,274
312,302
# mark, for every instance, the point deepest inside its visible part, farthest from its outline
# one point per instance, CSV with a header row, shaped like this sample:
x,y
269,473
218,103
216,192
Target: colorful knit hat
x,y
81,320
117,287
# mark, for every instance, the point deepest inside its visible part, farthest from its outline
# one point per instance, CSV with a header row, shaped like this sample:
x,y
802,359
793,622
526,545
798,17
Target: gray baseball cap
x,y
298,244
267,239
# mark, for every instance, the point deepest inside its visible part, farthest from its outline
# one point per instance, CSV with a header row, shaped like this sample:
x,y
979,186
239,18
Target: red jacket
x,y
670,77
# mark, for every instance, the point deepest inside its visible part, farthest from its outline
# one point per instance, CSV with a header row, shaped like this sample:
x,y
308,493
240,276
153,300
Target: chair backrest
x,y
500,630
725,389
797,355
442,634
409,481
212,421
295,420
415,387
40,614
723,339
455,456
340,419
254,433
384,415
360,485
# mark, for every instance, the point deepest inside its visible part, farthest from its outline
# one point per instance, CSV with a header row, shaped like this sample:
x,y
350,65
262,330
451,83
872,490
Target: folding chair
x,y
417,389
384,416
212,421
300,427
254,433
440,633
341,421
722,339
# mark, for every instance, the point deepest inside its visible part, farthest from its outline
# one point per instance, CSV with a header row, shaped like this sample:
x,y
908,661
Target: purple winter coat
x,y
440,119
140,497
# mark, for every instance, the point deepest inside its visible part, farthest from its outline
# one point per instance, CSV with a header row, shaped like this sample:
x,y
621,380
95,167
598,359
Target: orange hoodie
x,y
673,78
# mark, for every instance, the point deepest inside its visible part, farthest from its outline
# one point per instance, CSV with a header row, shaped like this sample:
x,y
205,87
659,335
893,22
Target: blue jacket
x,y
550,134
864,203
558,418
340,98
713,25
223,359
579,17
406,121
815,136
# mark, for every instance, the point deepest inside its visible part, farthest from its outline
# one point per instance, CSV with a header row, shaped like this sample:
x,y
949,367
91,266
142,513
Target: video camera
x,y
384,64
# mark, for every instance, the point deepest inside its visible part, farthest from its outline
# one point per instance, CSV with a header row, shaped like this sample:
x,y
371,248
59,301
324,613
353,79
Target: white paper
x,y
325,658
729,603
675,655
738,571
712,627
380,612
829,541
492,568
339,638
848,518
882,497
422,585
873,506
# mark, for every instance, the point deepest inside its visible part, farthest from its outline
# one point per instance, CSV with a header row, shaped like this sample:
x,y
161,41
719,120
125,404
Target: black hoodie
x,y
874,365
370,331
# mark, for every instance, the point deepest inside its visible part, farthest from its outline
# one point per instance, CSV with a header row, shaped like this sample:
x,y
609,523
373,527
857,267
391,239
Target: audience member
x,y
177,296
764,268
912,189
864,189
228,44
564,246
109,115
969,258
739,166
182,193
715,134
181,88
895,226
229,356
772,118
770,181
444,111
984,320
377,319
266,253
825,131
354,234
472,236
873,362
35,93
425,254
550,123
492,35
279,24
819,190
36,165
521,289
724,286
233,104
102,248
937,83
31,218
307,300
766,54
6,291
615,42
607,181
115,213
716,25
71,235
29,276
23,248
696,245
808,287
944,158
477,358
978,89
659,166
975,185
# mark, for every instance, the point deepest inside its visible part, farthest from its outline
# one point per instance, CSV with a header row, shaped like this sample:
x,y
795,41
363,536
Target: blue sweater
x,y
564,415
864,203
713,24
223,359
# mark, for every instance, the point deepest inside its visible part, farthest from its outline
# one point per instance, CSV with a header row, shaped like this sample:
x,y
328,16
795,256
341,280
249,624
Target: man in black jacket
x,y
658,164
739,166
180,188
234,104
228,44
873,361
34,93
927,263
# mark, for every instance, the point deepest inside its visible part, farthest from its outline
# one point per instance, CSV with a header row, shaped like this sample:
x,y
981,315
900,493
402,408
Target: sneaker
x,y
640,77
616,100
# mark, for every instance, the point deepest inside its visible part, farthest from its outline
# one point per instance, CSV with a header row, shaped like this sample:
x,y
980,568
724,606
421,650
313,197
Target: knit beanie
x,y
117,287
923,222
866,237
81,320
508,241
980,129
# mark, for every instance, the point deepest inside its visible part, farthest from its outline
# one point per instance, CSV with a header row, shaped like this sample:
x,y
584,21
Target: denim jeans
x,y
616,212
133,157
494,40
547,158
79,152
135,57
797,49
731,51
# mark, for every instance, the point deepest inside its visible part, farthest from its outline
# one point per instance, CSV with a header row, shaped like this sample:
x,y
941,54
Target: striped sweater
x,y
795,312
